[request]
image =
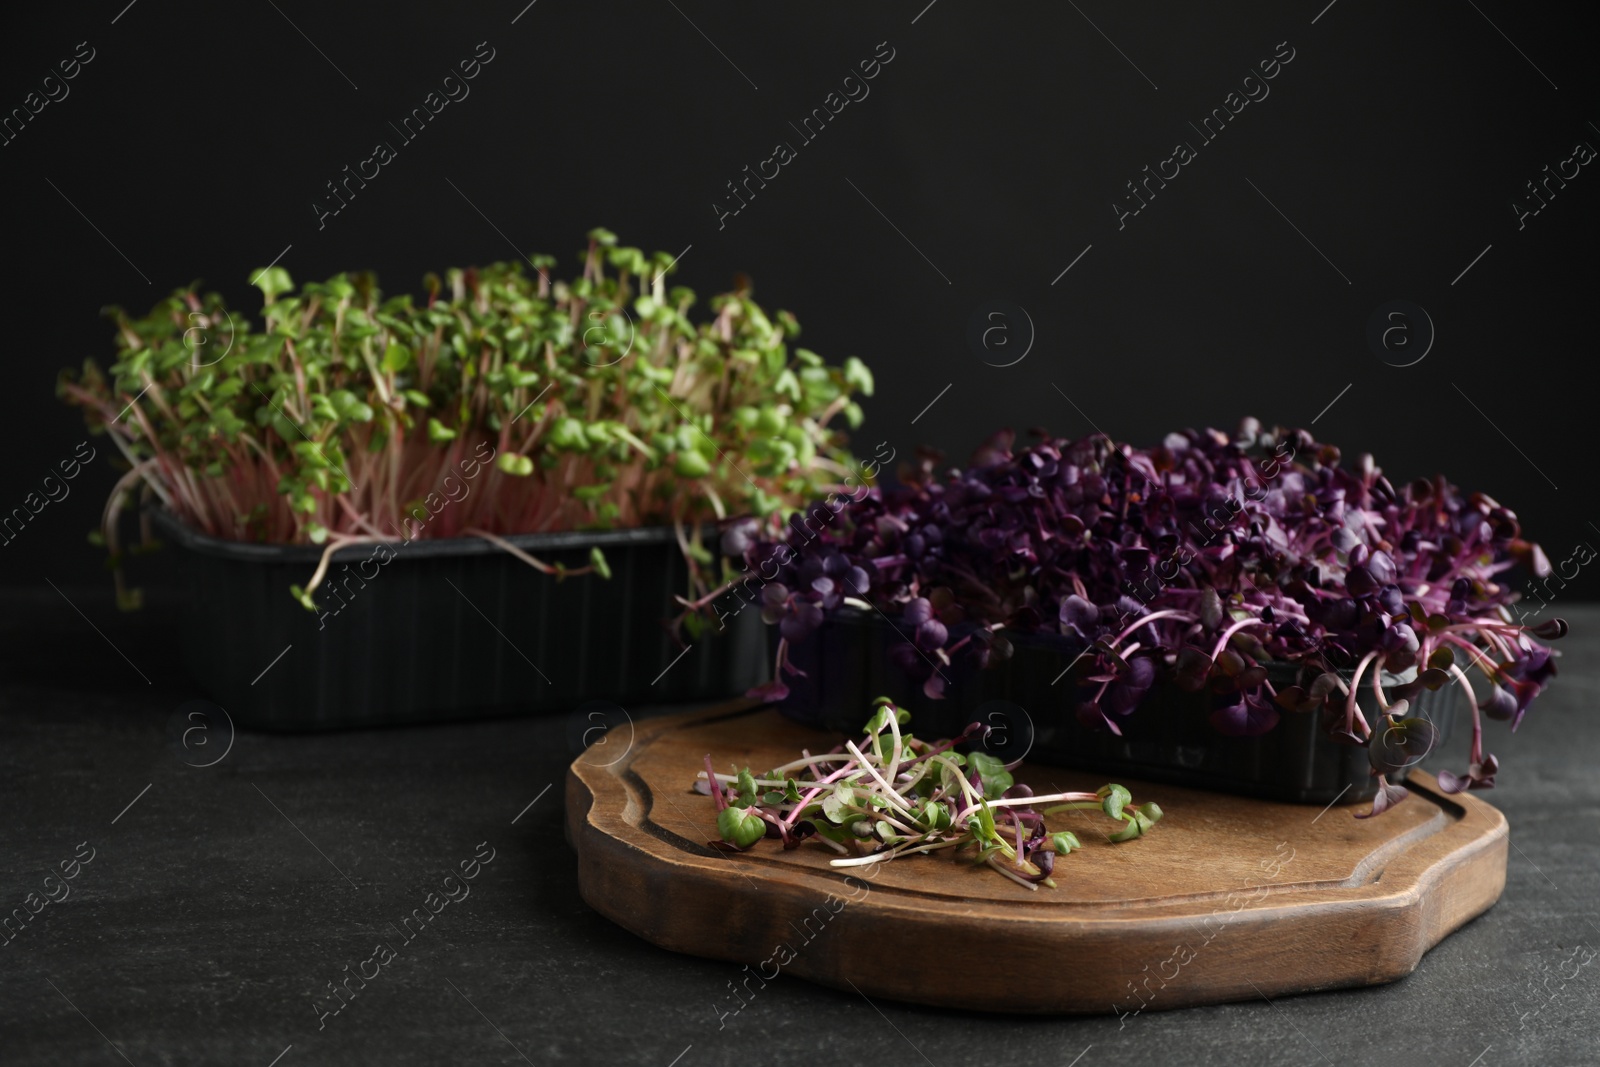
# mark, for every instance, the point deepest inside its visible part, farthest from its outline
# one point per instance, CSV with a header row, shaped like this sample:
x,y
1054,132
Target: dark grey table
x,y
220,902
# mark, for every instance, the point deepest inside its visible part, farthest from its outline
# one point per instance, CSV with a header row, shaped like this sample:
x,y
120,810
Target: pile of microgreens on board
x,y
896,795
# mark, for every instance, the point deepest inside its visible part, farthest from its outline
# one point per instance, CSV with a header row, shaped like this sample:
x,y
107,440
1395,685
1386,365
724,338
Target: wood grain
x,y
1228,898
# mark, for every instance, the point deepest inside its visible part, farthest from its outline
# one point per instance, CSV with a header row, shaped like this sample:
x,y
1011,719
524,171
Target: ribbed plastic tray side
x,y
1168,738
446,630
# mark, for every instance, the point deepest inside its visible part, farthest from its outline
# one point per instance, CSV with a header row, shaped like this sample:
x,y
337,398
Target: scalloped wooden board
x,y
1228,898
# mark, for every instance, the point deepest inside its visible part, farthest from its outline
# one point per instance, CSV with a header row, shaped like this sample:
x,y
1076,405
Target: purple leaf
x,y
1079,615
1499,704
1247,718
1388,796
1091,717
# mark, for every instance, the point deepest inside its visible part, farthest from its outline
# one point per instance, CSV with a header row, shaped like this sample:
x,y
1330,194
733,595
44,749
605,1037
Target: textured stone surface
x,y
218,906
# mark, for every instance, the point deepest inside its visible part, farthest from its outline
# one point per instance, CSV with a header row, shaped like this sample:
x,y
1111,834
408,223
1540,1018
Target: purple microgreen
x,y
1399,743
1389,794
1211,563
1481,769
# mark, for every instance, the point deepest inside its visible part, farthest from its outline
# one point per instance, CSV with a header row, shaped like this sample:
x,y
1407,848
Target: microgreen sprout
x,y
504,401
1200,564
892,794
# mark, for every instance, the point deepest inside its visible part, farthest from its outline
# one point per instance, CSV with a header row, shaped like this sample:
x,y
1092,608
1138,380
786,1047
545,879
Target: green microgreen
x,y
502,401
892,794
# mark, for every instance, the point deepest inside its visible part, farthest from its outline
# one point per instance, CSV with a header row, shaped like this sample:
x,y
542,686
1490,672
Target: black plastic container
x,y
446,629
1168,738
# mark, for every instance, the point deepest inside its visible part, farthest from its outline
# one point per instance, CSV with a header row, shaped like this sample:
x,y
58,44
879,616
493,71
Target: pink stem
x,y
1477,652
1222,642
1477,723
812,794
1350,715
1152,617
716,786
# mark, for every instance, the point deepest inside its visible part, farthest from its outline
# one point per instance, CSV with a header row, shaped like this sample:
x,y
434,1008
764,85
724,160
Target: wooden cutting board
x,y
1228,898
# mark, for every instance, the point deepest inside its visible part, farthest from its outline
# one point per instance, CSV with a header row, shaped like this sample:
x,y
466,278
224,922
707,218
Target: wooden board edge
x,y
651,888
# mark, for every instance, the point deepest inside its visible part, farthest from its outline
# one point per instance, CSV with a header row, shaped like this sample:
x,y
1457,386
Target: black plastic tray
x,y
1031,708
447,629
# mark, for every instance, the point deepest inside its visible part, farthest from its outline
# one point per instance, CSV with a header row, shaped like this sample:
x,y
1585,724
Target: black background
x,y
996,141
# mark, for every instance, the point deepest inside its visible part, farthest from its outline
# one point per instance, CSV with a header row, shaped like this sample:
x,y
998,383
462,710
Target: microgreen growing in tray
x,y
1202,563
346,415
893,795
